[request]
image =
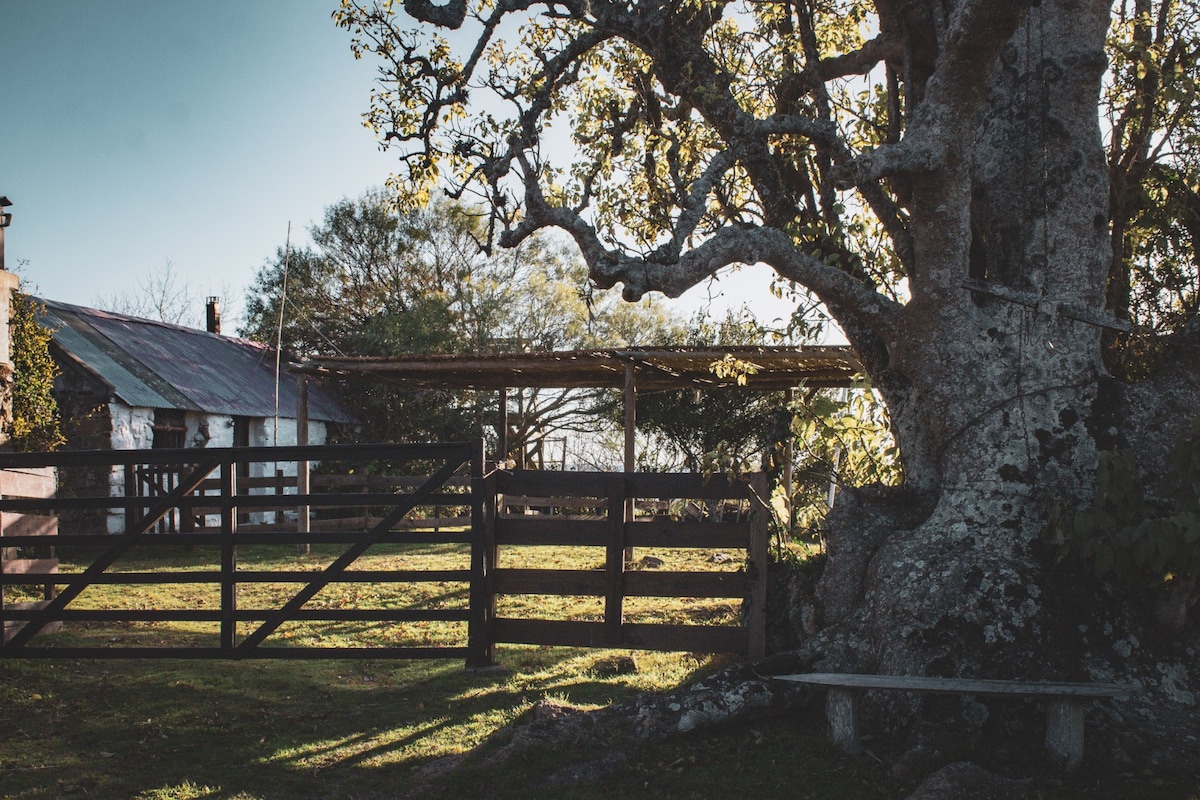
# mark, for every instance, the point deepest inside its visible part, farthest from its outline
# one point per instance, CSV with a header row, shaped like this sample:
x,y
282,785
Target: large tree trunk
x,y
1001,402
996,392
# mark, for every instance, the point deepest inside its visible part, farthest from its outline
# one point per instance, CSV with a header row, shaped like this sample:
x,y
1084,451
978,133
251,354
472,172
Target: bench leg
x,y
843,720
1064,732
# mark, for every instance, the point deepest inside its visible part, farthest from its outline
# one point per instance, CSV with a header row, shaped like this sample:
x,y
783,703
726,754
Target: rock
x,y
967,781
617,665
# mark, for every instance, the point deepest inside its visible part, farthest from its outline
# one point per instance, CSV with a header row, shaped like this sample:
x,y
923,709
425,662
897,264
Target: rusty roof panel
x,y
124,384
193,369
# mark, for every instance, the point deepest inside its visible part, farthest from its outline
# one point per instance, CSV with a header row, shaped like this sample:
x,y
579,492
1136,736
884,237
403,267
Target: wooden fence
x,y
364,497
594,510
31,554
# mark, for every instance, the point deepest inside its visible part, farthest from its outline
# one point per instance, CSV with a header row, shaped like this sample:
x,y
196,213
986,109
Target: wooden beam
x,y
502,446
302,482
630,417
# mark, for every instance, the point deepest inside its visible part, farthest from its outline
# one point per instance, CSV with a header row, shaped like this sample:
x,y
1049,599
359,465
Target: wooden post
x,y
131,514
630,417
630,443
302,477
614,596
229,521
1064,732
843,720
481,645
789,457
4,626
756,610
502,444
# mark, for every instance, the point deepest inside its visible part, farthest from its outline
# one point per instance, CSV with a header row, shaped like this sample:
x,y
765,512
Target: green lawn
x,y
177,729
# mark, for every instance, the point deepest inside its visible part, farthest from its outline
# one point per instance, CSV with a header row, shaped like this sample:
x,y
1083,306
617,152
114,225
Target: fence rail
x,y
219,502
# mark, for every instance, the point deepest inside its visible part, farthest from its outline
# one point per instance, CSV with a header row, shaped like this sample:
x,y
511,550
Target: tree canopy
x,y
670,141
379,283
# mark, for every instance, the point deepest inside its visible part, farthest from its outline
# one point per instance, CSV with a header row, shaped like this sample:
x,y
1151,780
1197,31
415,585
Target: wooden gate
x,y
232,505
17,555
207,491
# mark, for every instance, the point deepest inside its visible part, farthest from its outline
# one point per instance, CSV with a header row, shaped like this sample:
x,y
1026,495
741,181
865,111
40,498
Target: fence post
x,y
187,519
481,645
614,596
630,509
756,610
229,523
3,617
131,490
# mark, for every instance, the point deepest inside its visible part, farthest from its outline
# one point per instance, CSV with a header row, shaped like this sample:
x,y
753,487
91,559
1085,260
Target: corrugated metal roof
x,y
152,364
123,383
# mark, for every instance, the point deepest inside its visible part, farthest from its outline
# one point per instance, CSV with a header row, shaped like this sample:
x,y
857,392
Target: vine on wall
x,y
35,417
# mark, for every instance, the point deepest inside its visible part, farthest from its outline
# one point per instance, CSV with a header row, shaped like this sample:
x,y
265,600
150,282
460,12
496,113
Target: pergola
x,y
629,369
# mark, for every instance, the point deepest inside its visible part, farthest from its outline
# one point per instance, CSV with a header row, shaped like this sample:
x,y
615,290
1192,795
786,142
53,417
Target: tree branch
x,y
449,16
861,61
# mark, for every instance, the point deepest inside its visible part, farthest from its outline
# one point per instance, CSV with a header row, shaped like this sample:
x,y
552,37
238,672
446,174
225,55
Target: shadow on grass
x,y
273,729
177,730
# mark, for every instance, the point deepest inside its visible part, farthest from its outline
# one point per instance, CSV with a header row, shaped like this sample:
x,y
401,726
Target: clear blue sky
x,y
137,131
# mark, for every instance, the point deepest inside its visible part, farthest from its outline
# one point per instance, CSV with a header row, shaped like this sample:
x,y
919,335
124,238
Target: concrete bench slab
x,y
1064,703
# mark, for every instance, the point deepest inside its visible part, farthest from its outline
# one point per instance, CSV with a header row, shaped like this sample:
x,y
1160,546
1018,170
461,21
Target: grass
x,y
267,729
185,728
451,595
259,730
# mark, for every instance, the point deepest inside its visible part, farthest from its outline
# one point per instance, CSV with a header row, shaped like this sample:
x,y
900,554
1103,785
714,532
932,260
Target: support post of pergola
x,y
630,442
302,483
789,457
502,443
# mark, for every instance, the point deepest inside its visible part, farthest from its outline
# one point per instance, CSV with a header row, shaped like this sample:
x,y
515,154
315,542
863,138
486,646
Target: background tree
x,y
933,172
380,283
842,441
713,429
1151,104
164,296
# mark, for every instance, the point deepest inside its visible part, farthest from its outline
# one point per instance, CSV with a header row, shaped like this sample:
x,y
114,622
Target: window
x,y
169,428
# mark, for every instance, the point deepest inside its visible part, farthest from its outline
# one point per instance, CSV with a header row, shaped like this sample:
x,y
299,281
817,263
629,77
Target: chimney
x,y
5,221
213,308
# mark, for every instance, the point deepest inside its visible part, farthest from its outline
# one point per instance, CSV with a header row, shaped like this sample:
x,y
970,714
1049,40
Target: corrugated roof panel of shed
x,y
111,366
214,374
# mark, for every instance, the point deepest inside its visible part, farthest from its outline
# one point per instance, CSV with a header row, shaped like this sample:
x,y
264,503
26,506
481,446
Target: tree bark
x,y
996,403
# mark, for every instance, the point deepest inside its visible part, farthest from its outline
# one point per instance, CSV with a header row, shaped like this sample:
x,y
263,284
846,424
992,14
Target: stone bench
x,y
1064,704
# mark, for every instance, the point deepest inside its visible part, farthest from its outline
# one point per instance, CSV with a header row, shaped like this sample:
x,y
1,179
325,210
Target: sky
x,y
134,133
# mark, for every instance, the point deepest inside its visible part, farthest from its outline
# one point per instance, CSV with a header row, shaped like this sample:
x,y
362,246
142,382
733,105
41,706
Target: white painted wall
x,y
133,429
